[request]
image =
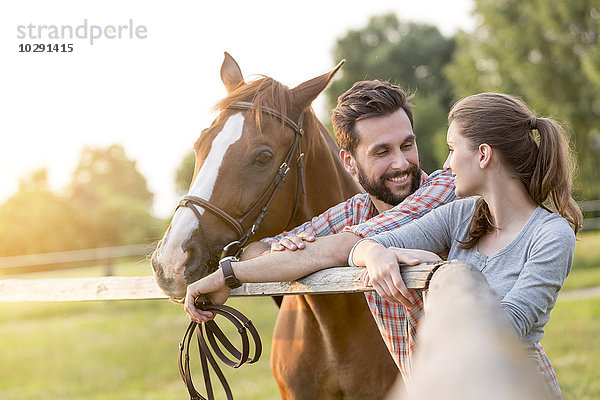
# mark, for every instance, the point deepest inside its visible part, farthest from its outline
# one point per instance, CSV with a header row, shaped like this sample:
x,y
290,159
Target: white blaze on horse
x,y
267,164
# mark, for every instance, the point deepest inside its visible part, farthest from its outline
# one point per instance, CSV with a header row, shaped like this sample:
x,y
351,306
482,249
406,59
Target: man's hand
x,y
213,288
293,242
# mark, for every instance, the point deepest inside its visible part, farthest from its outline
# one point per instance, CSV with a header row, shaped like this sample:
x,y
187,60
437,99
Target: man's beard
x,y
380,191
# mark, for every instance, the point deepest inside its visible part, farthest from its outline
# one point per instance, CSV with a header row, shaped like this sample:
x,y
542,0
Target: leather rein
x,y
234,248
207,334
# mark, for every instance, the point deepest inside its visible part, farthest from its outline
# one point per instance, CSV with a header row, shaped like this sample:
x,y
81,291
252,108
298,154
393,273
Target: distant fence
x,y
591,214
107,255
66,259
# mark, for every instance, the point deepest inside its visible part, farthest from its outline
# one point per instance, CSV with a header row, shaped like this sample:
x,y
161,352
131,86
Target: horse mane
x,y
263,92
268,92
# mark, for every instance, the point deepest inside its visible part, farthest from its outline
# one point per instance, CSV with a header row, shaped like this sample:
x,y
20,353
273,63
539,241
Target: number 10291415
x,y
45,48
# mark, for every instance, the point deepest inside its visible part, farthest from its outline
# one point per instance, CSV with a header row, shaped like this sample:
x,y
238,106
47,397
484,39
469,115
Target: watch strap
x,y
230,280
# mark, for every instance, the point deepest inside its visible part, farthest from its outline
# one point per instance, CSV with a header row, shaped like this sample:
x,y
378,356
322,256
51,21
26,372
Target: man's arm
x,y
333,220
437,190
325,252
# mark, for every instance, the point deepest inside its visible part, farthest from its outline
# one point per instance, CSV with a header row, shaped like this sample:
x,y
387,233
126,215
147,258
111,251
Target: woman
x,y
523,249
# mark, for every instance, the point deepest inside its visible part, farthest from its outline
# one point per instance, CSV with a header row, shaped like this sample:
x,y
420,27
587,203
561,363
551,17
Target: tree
x,y
411,56
185,172
112,198
109,204
109,170
36,220
548,53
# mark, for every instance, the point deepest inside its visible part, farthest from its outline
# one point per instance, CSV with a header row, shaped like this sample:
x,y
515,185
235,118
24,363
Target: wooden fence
x,y
467,348
591,214
66,259
333,280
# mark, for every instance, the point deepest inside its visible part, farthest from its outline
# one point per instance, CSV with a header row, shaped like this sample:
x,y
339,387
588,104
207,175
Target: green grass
x,y
587,250
127,350
586,262
573,346
114,350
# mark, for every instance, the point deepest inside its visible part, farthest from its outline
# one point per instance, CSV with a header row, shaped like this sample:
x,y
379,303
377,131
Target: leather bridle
x,y
243,235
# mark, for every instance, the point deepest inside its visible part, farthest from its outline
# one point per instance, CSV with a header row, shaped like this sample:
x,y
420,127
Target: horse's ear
x,y
306,92
231,74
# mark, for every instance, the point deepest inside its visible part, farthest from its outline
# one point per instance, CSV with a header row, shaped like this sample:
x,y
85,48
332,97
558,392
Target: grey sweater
x,y
526,275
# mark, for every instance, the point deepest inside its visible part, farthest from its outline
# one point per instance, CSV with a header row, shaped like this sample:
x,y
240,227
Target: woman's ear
x,y
485,155
349,162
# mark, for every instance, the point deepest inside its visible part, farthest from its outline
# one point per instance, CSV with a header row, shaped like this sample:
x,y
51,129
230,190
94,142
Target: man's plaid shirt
x,y
396,323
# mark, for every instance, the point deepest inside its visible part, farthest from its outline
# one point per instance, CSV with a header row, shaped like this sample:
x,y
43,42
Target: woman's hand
x,y
213,288
293,242
384,270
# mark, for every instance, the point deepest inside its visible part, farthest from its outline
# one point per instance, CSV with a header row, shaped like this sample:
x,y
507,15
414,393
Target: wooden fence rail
x,y
67,259
588,208
333,280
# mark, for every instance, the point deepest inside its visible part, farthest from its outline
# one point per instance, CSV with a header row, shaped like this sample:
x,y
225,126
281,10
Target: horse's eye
x,y
264,157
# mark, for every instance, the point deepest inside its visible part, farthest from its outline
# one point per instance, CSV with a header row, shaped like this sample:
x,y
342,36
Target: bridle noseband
x,y
234,248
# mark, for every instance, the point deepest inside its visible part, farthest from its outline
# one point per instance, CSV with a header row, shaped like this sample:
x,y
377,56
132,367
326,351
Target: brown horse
x,y
324,346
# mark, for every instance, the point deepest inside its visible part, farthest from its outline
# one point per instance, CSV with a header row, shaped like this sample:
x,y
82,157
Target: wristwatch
x,y
230,280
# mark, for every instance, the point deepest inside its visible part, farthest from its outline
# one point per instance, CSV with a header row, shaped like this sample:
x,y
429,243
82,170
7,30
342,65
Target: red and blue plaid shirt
x,y
358,215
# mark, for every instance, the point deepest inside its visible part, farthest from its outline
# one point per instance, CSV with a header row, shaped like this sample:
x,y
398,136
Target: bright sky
x,y
155,95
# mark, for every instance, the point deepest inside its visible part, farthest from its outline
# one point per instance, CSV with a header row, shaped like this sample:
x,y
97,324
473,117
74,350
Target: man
x,y
374,127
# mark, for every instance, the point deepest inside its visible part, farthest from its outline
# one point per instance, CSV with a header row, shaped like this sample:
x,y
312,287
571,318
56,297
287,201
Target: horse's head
x,y
242,161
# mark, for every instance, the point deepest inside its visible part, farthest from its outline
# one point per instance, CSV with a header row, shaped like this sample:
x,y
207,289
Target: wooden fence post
x,y
467,348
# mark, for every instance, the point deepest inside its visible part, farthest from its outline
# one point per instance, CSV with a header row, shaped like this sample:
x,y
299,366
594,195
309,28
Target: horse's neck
x,y
327,181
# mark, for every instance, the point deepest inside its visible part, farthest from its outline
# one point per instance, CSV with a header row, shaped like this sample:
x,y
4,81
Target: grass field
x,y
113,350
127,349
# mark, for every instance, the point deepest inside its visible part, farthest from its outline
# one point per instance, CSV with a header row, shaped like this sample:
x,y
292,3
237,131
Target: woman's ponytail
x,y
552,175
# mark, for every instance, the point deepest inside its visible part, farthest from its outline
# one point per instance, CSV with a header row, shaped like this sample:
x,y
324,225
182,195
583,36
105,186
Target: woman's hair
x,y
542,162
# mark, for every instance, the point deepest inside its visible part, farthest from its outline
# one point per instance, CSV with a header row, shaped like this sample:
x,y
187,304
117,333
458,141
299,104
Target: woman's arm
x,y
383,267
432,233
536,289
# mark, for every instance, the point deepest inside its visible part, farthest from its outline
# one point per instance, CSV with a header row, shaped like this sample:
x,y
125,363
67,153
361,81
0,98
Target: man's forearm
x,y
325,252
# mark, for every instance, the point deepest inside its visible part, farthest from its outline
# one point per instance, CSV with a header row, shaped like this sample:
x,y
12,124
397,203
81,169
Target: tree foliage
x,y
108,204
185,172
546,52
109,170
37,220
412,56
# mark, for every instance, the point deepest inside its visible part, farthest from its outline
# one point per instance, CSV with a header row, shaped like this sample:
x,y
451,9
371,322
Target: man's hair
x,y
366,99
